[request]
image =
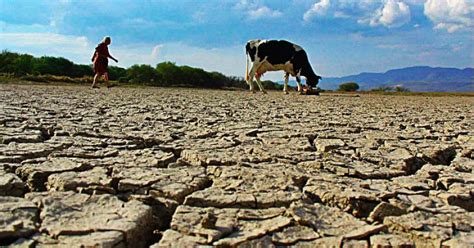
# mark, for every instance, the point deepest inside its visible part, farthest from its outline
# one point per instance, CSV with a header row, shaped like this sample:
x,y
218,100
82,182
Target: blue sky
x,y
341,37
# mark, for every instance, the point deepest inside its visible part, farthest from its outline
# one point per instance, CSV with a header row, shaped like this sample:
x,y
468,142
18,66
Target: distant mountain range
x,y
418,78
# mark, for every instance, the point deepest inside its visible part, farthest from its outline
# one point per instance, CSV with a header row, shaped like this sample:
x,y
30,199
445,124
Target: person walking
x,y
101,60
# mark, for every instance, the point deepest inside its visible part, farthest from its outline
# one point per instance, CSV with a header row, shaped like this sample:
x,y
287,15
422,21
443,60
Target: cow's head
x,y
313,80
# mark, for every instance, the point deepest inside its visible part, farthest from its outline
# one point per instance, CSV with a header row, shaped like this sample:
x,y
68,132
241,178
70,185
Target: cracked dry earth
x,y
139,167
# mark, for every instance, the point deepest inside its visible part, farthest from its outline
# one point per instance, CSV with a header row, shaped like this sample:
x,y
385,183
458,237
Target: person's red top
x,y
102,50
101,59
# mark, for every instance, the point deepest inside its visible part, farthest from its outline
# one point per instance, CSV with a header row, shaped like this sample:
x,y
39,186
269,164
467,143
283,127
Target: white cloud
x,y
450,15
388,13
263,12
45,40
320,8
256,10
393,13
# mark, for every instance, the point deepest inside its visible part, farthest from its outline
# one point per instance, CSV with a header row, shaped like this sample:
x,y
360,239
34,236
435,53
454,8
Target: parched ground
x,y
133,167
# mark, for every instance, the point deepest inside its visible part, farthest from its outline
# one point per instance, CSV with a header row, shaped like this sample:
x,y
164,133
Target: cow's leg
x,y
251,76
285,85
298,82
259,83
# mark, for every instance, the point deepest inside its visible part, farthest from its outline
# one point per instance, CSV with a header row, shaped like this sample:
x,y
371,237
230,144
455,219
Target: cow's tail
x,y
247,66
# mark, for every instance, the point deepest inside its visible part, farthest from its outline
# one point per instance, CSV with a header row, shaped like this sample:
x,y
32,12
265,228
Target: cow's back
x,y
276,51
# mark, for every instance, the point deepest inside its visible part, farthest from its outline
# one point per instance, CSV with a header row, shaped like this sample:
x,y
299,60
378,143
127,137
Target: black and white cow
x,y
276,55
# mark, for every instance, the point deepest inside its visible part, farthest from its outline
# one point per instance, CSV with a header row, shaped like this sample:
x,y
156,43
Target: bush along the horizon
x,y
57,69
349,86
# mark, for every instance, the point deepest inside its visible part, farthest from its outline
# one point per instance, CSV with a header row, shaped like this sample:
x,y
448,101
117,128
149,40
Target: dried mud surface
x,y
139,167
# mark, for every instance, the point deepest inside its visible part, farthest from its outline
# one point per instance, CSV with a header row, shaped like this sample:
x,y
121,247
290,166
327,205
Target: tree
x,y
143,74
54,66
350,86
82,70
194,77
170,73
18,64
23,64
116,72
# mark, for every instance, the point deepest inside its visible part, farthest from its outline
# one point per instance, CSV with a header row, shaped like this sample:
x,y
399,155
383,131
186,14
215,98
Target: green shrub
x,y
350,86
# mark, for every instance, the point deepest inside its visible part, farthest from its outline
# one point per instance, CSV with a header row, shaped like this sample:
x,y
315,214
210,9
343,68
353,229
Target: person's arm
x,y
110,56
114,59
